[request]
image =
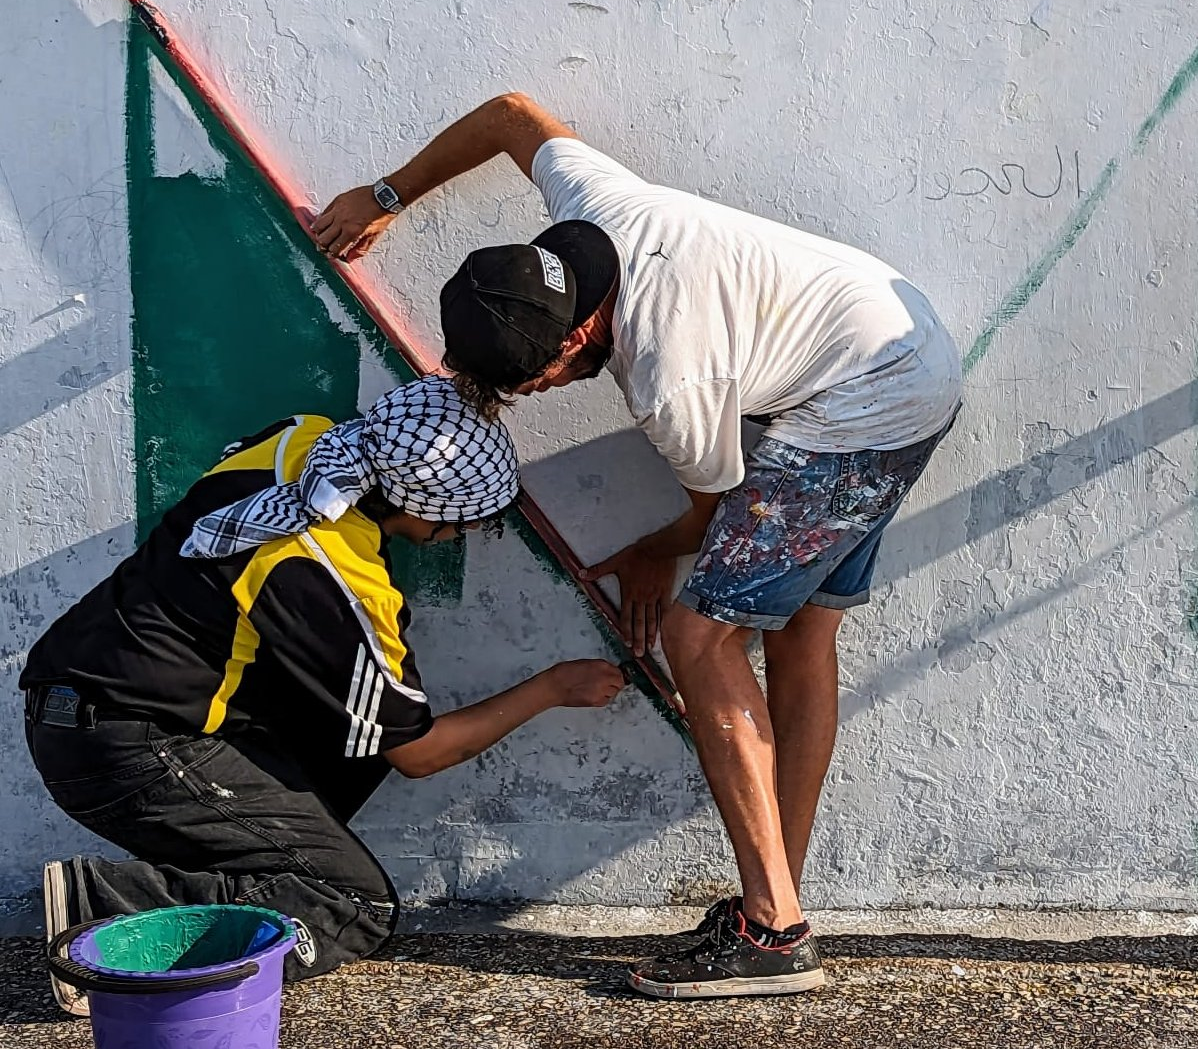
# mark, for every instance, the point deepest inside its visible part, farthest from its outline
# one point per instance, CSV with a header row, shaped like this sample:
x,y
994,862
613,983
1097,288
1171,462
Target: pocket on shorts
x,y
871,484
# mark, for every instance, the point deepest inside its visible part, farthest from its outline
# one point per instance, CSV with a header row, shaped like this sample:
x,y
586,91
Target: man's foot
x,y
58,888
730,962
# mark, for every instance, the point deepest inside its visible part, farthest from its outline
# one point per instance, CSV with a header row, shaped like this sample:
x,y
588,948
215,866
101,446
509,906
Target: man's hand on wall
x,y
349,226
511,123
646,592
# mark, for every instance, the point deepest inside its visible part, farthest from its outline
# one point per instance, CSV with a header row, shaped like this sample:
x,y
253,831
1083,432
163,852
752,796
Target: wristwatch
x,y
387,198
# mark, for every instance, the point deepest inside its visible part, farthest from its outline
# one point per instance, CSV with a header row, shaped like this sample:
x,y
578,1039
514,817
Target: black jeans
x,y
212,821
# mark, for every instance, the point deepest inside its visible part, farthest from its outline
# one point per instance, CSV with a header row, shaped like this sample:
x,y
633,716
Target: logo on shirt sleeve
x,y
555,274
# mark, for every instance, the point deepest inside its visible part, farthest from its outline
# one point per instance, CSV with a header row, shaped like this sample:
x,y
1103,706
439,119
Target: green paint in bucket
x,y
181,938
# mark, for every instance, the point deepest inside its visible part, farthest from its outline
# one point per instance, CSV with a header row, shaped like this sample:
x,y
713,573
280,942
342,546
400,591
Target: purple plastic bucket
x,y
207,977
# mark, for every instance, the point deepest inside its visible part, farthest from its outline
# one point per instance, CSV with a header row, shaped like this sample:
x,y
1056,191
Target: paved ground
x,y
552,979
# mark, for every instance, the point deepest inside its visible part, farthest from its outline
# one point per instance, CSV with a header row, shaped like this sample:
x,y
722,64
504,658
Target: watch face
x,y
387,197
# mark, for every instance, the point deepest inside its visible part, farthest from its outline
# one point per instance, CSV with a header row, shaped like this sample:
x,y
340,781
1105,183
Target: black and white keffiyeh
x,y
432,455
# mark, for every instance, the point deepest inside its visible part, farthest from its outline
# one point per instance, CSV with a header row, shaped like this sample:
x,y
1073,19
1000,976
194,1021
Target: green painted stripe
x,y
1033,280
1177,87
1019,296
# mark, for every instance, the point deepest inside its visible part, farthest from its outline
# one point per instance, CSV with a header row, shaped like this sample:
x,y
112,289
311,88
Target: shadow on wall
x,y
30,599
1014,493
566,483
63,286
976,516
568,486
61,369
600,507
58,579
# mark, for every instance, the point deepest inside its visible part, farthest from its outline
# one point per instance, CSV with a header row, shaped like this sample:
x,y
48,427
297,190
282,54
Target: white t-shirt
x,y
722,314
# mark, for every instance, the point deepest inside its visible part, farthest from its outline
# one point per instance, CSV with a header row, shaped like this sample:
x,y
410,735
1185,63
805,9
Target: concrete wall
x,y
1018,704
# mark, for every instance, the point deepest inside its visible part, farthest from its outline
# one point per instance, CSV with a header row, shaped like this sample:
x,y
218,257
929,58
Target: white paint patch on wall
x,y
181,145
97,12
1017,722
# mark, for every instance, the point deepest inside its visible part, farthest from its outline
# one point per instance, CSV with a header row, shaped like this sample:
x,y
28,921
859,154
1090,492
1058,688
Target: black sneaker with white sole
x,y
58,889
729,962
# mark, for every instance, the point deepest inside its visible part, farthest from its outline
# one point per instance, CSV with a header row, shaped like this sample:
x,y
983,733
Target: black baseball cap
x,y
508,309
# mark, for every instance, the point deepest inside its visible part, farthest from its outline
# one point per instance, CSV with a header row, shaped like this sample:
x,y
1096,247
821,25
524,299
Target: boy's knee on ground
x,y
336,925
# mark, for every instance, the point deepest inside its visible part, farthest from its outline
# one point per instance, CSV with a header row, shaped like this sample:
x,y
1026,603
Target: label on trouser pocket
x,y
305,946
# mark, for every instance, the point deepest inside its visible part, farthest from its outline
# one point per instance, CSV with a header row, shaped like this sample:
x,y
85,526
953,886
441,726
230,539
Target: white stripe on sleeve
x,y
366,678
372,731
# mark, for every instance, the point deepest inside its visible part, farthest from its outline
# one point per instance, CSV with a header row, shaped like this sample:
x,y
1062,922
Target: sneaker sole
x,y
733,987
54,892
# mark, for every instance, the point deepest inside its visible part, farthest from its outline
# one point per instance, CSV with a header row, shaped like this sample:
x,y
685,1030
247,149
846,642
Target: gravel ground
x,y
527,989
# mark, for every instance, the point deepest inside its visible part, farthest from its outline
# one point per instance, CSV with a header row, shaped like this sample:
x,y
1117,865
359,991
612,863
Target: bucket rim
x,y
288,937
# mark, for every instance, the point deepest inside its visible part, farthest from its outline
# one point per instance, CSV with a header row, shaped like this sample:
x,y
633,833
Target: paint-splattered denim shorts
x,y
802,527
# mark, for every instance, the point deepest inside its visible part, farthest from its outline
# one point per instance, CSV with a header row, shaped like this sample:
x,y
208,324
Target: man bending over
x,y
706,315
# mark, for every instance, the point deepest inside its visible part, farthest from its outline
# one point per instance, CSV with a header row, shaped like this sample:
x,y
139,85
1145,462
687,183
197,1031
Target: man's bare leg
x,y
802,684
730,723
